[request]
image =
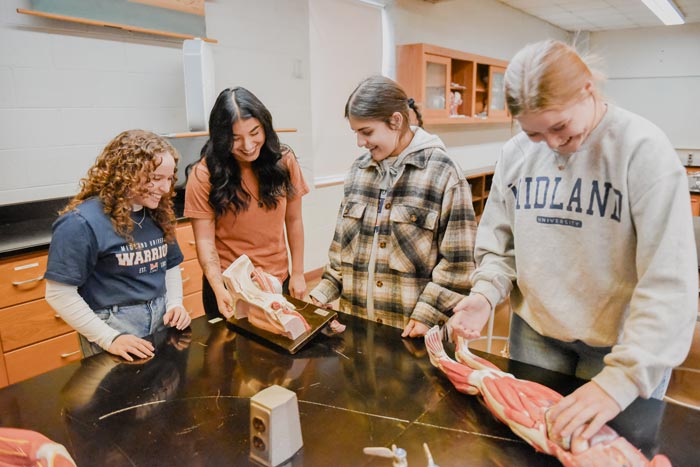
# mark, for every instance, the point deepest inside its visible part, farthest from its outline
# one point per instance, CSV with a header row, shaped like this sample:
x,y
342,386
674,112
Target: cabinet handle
x,y
66,355
185,279
28,281
26,266
192,242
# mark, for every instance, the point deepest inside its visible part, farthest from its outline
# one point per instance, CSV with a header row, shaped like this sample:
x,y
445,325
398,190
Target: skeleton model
x,y
522,405
258,297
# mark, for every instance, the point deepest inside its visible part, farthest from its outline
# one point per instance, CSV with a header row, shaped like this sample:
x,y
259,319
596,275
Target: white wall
x,y
66,89
655,72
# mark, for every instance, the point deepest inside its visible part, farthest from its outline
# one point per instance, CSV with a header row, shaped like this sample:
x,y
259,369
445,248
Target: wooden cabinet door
x,y
22,278
185,239
191,276
496,93
42,357
436,89
28,323
3,372
193,304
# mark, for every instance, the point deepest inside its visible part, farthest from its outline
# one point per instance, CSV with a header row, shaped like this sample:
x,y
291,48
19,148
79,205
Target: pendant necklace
x,y
250,192
143,218
562,160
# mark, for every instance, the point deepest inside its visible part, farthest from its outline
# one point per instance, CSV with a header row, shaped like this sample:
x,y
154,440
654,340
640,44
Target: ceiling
x,y
600,15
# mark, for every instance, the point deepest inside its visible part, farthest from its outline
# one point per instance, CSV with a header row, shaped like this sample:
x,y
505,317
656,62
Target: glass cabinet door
x,y
437,86
497,93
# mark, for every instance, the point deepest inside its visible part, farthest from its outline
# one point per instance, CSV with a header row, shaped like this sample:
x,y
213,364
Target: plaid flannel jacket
x,y
425,245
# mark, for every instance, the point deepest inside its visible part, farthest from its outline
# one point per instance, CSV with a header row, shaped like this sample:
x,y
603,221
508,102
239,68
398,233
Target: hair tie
x,y
411,102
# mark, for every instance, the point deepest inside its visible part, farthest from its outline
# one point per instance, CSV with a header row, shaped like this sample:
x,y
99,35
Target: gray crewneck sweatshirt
x,y
599,248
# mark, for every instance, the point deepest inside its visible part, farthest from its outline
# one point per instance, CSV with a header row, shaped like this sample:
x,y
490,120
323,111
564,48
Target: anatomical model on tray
x,y
257,296
523,405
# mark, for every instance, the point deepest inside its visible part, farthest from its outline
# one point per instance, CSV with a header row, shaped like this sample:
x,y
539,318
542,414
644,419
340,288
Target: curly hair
x,y
119,174
224,172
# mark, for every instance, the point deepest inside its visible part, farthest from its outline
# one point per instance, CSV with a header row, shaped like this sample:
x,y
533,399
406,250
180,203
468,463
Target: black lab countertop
x,y
189,405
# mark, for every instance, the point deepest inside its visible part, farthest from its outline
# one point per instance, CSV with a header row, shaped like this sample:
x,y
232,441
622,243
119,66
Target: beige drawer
x,y
193,304
22,278
42,357
28,323
185,238
191,276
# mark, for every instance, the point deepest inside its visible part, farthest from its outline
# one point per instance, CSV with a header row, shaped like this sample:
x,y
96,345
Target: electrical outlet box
x,y
275,429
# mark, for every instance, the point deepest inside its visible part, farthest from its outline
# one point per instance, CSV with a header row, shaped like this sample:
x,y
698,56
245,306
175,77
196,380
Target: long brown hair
x,y
378,98
117,175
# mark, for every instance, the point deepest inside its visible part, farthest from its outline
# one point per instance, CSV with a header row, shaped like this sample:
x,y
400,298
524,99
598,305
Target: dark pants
x,y
209,298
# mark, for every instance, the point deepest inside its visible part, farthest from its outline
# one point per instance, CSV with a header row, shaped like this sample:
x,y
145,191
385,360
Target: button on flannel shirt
x,y
425,245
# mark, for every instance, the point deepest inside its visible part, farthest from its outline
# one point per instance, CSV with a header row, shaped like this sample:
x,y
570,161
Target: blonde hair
x,y
121,167
546,74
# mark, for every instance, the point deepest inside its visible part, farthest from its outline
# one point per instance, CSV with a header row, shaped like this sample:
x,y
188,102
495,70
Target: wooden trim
x,y
192,134
125,27
195,7
313,275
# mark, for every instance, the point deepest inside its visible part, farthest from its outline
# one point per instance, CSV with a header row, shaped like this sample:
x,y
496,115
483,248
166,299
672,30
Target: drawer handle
x,y
26,266
185,279
192,242
66,355
28,281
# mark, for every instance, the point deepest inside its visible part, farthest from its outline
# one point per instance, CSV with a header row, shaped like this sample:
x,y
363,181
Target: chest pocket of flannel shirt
x,y
413,230
351,227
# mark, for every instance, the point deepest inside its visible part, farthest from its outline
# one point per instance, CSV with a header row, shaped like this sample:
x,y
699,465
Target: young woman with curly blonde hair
x,y
113,270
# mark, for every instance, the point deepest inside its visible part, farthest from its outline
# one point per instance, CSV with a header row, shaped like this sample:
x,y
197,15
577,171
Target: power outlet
x,y
275,428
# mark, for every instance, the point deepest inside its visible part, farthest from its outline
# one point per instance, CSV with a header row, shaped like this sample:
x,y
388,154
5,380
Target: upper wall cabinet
x,y
452,87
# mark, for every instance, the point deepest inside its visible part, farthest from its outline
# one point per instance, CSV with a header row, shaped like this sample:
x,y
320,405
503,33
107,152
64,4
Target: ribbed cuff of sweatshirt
x,y
618,386
486,289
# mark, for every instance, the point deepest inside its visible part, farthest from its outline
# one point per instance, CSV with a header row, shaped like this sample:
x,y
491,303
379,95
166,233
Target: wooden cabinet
x,y
480,183
41,357
34,339
191,271
432,75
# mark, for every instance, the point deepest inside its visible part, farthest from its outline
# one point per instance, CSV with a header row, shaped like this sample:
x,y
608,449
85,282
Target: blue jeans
x,y
571,358
141,320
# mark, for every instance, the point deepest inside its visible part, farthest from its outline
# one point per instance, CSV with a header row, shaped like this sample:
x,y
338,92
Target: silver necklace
x,y
143,218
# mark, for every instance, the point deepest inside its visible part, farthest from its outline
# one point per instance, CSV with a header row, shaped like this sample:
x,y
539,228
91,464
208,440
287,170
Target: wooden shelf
x,y
432,74
480,185
125,27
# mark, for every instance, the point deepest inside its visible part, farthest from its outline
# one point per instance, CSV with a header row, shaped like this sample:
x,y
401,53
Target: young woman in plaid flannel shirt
x,y
403,246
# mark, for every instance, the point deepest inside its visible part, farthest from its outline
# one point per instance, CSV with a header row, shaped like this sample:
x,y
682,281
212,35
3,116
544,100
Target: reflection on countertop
x,y
190,404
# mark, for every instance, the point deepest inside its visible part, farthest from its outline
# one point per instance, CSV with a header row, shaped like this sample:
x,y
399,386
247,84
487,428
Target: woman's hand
x,y
297,286
177,317
326,306
414,329
588,407
224,301
470,316
128,344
